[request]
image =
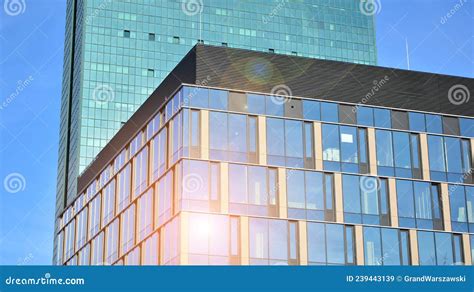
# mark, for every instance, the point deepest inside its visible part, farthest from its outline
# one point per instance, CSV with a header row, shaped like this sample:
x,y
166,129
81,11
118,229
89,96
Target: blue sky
x,y
31,56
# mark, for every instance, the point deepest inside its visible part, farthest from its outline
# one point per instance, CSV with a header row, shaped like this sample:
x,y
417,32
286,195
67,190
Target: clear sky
x,y
439,36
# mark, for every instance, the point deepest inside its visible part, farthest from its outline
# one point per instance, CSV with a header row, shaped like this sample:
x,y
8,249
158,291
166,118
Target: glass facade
x,y
240,187
118,52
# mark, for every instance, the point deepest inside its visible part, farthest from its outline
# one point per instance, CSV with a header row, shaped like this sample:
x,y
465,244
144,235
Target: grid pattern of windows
x,y
120,40
137,210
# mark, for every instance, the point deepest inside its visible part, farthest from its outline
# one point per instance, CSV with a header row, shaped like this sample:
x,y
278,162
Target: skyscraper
x,y
278,160
118,52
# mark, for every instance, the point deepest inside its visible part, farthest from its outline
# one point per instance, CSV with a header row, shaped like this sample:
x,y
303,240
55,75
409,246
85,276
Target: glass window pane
x,y
330,135
470,203
457,201
384,148
453,154
405,247
316,243
405,199
275,141
314,190
218,235
238,137
423,200
294,142
195,180
329,112
391,247
311,110
417,122
335,244
351,193
467,127
382,118
458,250
433,124
415,150
466,156
258,230
401,144
365,116
256,104
278,240
426,248
444,248
199,97
218,99
372,246
349,147
363,146
218,142
350,254
273,106
369,195
238,183
296,189
257,185
436,153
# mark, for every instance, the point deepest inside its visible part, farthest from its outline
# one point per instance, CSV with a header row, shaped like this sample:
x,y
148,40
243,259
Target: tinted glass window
x,y
436,153
372,246
365,116
384,148
347,114
382,118
218,99
400,120
451,126
417,122
274,106
311,110
426,248
329,112
467,127
433,124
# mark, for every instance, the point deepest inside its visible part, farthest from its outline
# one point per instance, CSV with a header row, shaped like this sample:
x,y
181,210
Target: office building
x,y
117,52
249,158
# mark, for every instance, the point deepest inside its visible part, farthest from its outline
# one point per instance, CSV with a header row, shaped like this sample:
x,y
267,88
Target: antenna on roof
x,y
408,56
